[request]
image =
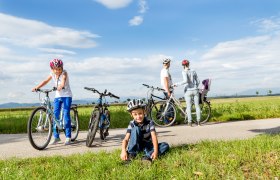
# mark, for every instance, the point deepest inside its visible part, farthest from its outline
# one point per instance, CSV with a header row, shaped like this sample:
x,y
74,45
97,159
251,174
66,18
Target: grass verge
x,y
256,158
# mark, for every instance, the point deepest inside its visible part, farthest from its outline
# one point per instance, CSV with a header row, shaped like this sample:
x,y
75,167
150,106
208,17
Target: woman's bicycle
x,y
164,112
100,117
39,127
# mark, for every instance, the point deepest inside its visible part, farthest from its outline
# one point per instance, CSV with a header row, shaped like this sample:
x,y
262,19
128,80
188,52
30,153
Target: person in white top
x,y
165,78
63,97
191,82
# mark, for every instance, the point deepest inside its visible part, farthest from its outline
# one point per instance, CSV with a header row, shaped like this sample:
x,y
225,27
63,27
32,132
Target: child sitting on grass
x,y
141,135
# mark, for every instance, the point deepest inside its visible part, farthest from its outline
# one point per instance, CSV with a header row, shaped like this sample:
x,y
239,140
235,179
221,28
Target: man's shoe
x,y
198,124
55,141
190,124
67,141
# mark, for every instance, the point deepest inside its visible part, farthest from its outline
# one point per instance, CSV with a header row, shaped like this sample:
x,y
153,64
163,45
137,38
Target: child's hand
x,y
124,155
34,89
59,88
154,155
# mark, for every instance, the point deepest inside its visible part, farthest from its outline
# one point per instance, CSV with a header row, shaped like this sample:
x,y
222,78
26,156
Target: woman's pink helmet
x,y
56,63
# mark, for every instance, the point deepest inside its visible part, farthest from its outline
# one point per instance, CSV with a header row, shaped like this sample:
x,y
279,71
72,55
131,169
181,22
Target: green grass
x,y
15,120
256,158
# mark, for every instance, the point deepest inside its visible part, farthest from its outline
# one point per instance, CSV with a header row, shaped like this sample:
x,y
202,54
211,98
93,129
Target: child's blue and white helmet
x,y
135,104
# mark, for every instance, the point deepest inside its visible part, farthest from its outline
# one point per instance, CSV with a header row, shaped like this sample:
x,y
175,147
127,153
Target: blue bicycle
x,y
39,127
100,117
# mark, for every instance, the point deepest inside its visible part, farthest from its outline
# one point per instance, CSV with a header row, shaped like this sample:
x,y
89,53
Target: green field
x,y
255,158
230,109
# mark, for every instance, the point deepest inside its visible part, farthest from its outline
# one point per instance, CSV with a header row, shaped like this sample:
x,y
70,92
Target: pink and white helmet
x,y
56,63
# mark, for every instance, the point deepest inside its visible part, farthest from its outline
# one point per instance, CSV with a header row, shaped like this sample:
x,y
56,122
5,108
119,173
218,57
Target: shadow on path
x,y
275,130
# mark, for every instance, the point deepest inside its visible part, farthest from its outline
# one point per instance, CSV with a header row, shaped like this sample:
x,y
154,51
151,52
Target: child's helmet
x,y
185,62
56,63
135,104
166,61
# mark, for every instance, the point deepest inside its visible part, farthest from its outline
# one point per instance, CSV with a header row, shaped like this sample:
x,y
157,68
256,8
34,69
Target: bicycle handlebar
x,y
46,90
152,87
102,94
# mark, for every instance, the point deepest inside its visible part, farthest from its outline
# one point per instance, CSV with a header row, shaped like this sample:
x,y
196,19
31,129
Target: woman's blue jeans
x,y
189,94
136,144
66,102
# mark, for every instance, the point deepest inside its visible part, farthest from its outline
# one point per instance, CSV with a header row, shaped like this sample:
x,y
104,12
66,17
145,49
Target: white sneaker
x,y
67,141
55,141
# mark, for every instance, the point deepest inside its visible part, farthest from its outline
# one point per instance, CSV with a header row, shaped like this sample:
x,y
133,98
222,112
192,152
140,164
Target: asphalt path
x,y
17,145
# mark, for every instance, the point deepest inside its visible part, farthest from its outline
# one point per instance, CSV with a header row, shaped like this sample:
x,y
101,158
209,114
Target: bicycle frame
x,y
176,102
47,104
102,107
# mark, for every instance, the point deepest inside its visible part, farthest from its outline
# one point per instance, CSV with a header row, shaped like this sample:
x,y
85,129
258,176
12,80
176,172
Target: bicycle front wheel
x,y
39,128
93,126
74,124
163,115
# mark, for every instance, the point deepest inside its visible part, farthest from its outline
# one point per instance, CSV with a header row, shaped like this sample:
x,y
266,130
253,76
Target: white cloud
x,y
268,25
136,21
242,64
31,33
57,51
143,7
114,4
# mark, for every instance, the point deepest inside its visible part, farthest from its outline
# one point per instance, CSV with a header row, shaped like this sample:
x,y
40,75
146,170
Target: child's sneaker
x,y
55,141
146,160
67,141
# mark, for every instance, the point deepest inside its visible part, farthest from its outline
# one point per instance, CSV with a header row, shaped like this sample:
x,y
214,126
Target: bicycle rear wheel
x,y
93,125
163,115
205,112
205,109
39,128
74,124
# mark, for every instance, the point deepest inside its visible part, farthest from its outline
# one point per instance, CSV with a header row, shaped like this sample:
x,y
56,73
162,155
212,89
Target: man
x,y
165,77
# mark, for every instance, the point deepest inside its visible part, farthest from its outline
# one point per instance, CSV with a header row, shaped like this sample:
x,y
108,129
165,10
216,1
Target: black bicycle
x,y
100,117
150,98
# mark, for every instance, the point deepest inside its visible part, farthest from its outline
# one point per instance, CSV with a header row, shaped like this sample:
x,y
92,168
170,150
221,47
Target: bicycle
x,y
39,127
164,112
150,98
100,117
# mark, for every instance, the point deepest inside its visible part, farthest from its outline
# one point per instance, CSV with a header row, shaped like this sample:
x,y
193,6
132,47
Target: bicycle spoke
x,y
163,115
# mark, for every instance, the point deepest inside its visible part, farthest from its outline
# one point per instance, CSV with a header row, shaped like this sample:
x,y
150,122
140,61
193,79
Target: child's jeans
x,y
66,101
136,144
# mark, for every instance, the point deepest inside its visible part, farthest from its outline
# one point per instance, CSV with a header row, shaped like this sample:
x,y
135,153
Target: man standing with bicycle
x,y
165,77
166,83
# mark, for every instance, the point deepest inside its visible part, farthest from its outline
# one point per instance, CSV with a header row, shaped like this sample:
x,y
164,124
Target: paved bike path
x,y
17,145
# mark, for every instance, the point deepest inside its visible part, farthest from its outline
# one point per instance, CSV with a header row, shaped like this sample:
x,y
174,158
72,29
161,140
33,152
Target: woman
x,y
191,83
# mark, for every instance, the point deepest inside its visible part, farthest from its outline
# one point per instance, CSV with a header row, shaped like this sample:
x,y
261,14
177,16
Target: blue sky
x,y
120,44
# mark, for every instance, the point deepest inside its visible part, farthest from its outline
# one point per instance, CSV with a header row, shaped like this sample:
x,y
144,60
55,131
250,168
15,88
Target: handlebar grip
x,y
116,97
145,85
